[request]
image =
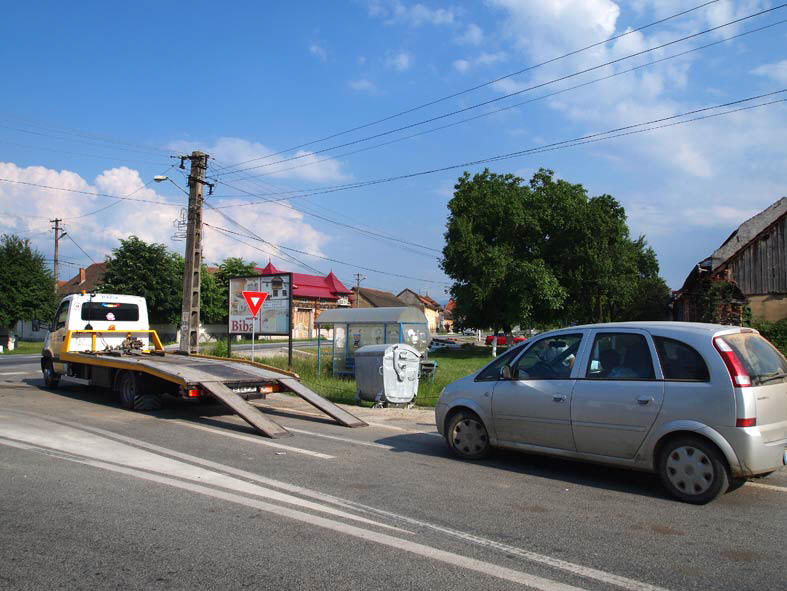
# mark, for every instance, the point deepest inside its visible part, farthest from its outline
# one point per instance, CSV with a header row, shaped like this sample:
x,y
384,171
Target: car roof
x,y
656,327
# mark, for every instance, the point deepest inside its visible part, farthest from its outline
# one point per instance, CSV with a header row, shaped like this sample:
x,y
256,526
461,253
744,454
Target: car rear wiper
x,y
777,376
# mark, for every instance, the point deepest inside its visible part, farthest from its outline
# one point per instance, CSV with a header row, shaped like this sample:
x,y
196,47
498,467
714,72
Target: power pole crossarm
x,y
190,312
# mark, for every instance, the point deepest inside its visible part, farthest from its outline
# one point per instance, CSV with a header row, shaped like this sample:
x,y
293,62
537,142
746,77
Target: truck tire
x,y
132,394
51,379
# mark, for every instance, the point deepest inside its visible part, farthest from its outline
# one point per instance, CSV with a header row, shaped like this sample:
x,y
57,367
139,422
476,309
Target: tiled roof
x,y
380,299
92,275
311,286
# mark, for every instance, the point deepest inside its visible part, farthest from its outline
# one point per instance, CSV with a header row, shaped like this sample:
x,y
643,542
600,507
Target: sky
x,y
297,103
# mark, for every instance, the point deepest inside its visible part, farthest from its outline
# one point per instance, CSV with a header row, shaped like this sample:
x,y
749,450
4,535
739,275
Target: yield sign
x,y
254,300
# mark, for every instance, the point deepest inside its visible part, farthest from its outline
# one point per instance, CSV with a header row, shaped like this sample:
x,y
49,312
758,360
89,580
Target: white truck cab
x,y
96,312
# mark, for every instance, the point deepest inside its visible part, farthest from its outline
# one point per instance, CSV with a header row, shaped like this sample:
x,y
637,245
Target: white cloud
x,y
461,66
229,150
98,234
400,61
318,51
363,85
483,59
473,35
776,71
415,15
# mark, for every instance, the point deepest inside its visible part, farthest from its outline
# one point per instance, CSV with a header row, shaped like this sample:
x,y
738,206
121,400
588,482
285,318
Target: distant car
x,y
704,406
501,339
468,332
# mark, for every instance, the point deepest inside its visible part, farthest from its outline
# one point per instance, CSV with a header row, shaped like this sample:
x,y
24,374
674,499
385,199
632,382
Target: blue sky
x,y
97,96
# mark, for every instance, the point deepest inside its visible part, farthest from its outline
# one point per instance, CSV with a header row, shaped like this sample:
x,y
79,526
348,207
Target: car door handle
x,y
559,397
644,400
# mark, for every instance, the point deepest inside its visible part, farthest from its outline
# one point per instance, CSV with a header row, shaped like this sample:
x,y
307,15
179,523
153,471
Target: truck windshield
x,y
110,312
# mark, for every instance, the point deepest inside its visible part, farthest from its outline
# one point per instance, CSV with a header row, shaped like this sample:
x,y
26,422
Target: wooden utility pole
x,y
58,235
189,320
358,278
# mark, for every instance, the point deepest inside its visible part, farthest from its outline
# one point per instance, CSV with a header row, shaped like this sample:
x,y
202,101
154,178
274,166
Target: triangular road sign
x,y
254,300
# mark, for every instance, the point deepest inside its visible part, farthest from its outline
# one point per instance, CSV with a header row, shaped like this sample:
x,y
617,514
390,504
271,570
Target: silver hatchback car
x,y
702,405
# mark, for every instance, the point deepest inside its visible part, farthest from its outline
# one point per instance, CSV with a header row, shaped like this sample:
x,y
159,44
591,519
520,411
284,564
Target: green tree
x,y
213,299
542,254
148,270
26,285
651,295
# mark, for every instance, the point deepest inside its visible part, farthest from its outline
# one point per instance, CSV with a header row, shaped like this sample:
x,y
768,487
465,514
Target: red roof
x,y
311,286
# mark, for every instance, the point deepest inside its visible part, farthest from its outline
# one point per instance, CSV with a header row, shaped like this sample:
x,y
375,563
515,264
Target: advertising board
x,y
275,313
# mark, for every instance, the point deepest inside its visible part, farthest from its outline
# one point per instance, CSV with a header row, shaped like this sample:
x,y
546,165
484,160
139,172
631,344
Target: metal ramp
x,y
329,408
246,411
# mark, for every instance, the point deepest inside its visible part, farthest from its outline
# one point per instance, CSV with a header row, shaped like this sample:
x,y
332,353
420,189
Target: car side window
x,y
680,361
620,356
549,359
492,371
62,315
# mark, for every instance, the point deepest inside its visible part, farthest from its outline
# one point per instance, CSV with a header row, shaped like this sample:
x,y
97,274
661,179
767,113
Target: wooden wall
x,y
761,267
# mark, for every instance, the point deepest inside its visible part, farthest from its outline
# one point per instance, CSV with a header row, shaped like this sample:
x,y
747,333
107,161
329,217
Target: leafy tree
x,y
148,270
543,254
213,298
26,285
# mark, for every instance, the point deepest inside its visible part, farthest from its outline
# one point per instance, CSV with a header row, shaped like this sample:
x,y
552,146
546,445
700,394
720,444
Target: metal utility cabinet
x,y
387,374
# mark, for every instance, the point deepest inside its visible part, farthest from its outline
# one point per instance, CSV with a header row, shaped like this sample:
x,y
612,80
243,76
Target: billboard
x,y
276,312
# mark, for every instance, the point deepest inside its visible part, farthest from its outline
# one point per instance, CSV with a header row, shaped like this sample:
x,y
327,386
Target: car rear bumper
x,y
754,454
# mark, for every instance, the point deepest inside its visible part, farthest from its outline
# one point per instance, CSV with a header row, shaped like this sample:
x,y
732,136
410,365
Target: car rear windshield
x,y
761,360
110,312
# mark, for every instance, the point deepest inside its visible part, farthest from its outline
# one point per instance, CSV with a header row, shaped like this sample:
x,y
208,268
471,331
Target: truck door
x,y
58,335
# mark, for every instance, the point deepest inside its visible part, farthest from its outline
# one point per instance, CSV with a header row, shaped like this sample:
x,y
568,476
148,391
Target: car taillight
x,y
740,379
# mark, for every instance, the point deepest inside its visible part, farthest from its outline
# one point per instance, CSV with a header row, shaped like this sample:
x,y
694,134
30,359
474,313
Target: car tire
x,y
51,379
132,395
467,436
693,470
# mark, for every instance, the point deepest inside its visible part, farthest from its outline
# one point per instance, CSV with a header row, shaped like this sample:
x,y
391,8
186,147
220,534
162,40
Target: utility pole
x,y
189,318
59,233
358,278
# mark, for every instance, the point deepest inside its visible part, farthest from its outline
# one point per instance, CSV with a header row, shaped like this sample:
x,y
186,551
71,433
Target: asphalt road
x,y
92,496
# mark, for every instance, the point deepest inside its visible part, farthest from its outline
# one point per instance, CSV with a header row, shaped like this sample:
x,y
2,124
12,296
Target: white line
x,y
486,568
343,439
14,373
256,439
767,486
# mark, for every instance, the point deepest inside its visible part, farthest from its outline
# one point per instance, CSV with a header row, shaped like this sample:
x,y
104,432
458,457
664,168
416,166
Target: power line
x,y
79,247
479,86
509,155
91,194
505,96
82,154
509,107
340,262
119,199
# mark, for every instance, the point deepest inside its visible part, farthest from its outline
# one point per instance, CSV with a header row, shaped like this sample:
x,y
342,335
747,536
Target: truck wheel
x,y
132,395
51,379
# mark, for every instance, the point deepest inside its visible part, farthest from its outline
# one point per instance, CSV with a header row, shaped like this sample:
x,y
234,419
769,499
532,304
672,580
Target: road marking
x,y
14,373
254,439
480,566
576,569
767,486
343,439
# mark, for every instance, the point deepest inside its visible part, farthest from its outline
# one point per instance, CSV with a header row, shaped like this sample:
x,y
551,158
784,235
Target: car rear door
x,y
618,395
534,407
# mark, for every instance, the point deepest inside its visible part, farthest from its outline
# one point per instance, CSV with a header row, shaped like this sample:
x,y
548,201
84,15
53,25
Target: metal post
x,y
253,320
319,360
189,318
289,345
358,278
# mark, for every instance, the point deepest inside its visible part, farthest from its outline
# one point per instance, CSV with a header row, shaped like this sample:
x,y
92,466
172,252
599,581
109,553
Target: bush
x,y
775,332
217,349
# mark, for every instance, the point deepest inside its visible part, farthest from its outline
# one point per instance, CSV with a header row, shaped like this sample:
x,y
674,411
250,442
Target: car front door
x,y
534,406
619,394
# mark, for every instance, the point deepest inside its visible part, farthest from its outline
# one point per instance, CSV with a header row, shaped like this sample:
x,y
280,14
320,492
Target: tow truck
x,y
105,340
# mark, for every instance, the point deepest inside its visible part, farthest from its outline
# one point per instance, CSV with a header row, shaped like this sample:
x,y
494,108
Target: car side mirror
x,y
506,373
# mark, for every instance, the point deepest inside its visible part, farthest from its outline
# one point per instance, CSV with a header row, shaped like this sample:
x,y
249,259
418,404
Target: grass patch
x,y
451,365
25,348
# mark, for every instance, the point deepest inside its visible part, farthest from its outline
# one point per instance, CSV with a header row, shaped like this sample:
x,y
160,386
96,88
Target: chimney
x,y
81,275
